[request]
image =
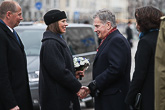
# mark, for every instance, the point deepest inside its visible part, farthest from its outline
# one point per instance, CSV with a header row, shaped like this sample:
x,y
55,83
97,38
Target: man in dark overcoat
x,y
14,85
111,68
129,33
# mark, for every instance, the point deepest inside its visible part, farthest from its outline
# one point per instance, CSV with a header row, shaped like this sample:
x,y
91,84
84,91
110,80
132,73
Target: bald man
x,y
14,85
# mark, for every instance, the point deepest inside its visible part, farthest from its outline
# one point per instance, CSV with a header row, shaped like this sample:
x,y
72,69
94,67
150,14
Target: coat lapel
x,y
10,34
14,38
101,48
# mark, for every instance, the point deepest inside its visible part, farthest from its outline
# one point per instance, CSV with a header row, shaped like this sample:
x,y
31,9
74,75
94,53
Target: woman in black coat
x,y
57,82
148,22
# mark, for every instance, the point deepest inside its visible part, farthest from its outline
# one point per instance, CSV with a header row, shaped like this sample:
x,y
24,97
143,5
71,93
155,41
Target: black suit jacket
x,y
14,85
111,71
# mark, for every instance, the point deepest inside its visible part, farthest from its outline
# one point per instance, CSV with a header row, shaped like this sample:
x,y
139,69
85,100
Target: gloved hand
x,y
131,107
93,89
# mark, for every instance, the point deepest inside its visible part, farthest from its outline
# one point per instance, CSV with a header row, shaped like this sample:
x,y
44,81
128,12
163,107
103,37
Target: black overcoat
x,y
111,70
14,85
129,35
57,82
143,76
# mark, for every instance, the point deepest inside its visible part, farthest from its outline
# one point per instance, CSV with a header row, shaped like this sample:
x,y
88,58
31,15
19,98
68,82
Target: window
x,y
67,3
80,40
48,2
56,3
31,39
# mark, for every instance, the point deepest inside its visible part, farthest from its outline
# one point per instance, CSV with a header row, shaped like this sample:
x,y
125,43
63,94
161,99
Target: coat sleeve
x,y
6,93
54,62
160,69
116,55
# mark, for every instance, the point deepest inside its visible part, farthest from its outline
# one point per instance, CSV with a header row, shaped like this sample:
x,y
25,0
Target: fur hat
x,y
53,16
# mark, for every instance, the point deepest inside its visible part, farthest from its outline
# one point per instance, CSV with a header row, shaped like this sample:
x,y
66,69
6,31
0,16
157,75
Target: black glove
x,y
132,107
93,88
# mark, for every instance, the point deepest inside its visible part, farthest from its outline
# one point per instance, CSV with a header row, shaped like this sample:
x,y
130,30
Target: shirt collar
x,y
10,28
6,25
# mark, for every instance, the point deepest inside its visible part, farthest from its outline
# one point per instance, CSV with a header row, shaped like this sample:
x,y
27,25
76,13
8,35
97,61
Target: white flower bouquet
x,y
80,64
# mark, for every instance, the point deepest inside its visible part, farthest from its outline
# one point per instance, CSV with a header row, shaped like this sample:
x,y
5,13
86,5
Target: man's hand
x,y
83,92
15,108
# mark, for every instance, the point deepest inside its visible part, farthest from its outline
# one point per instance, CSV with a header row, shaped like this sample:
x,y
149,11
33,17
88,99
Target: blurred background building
x,y
133,4
79,11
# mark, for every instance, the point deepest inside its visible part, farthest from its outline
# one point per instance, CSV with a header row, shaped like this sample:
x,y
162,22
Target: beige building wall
x,y
119,7
77,10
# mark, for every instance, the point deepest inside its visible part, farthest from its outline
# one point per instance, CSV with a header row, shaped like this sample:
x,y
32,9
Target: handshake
x,y
83,92
91,89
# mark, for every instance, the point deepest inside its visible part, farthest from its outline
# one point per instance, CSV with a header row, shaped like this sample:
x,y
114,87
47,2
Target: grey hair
x,y
6,6
105,15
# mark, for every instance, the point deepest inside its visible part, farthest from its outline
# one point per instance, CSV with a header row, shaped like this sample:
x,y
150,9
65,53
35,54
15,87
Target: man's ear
x,y
8,14
108,25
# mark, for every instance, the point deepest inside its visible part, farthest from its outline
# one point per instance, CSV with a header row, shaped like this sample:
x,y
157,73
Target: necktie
x,y
15,34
